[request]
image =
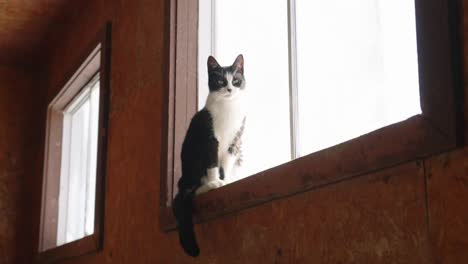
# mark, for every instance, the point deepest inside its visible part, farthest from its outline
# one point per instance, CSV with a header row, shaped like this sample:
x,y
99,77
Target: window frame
x,y
439,128
79,99
82,71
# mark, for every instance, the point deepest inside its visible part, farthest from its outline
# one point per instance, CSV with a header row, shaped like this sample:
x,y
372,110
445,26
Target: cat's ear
x,y
212,63
238,64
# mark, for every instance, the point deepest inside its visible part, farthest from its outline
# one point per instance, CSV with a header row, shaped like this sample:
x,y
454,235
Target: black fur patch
x,y
199,151
221,173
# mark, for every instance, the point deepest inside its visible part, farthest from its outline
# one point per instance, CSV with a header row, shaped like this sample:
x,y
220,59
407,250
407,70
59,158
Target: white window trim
x,y
71,108
53,147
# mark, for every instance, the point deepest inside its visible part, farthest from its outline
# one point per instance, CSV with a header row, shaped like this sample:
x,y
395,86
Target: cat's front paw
x,y
215,184
209,186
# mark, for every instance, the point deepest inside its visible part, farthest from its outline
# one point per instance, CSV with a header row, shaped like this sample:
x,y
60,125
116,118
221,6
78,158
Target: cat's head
x,y
226,82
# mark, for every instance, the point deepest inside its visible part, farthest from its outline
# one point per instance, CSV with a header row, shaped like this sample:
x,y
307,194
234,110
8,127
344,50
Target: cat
x,y
212,146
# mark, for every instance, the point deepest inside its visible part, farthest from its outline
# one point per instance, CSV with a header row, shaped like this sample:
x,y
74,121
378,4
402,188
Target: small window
x,y
78,167
74,160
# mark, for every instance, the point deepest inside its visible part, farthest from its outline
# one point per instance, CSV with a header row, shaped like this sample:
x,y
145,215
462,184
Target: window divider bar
x,y
66,178
213,27
89,154
293,89
63,193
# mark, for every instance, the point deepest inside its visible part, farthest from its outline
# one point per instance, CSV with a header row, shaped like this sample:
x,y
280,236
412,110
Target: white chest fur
x,y
227,120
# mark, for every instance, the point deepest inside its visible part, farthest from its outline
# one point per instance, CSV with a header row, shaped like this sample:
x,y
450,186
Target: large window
x,y
74,162
337,89
318,72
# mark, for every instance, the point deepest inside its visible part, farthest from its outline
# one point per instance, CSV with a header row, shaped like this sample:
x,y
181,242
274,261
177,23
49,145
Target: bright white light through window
x,y
258,36
78,169
355,62
356,68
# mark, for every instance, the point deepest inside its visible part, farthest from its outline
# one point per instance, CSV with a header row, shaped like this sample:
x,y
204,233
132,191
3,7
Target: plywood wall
x,y
412,213
20,97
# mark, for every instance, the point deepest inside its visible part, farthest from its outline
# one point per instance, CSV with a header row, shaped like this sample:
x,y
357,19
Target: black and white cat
x,y
212,145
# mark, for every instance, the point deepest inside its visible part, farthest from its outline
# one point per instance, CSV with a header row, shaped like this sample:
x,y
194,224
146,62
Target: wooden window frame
x,y
82,71
439,128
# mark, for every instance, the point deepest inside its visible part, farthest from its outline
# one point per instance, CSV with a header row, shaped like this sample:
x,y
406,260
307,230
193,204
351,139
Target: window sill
x,y
408,140
84,246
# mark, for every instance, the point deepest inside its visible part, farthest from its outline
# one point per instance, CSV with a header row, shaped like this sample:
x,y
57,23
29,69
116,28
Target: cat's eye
x,y
221,82
236,82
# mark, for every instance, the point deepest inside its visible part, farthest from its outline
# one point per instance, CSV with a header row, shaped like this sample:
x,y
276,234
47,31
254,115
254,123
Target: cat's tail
x,y
183,210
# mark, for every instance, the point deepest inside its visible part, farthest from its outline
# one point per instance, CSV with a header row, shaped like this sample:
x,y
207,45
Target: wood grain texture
x,y
447,181
379,218
437,68
362,220
405,141
378,150
24,26
464,40
132,188
18,148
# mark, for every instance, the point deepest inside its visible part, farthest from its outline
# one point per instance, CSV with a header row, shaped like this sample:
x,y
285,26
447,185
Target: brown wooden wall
x,y
20,97
412,213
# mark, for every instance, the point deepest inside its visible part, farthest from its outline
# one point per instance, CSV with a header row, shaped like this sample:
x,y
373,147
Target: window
x,y
319,72
415,112
264,44
78,166
75,158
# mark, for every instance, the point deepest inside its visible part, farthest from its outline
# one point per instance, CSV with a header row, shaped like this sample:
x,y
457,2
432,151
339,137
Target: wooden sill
x,y
411,139
87,245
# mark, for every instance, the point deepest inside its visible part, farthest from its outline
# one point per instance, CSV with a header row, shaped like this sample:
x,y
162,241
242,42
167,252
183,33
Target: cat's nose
x,y
229,89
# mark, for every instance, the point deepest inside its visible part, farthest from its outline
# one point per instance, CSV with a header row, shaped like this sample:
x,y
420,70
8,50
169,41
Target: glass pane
x,y
93,149
261,35
357,68
78,172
